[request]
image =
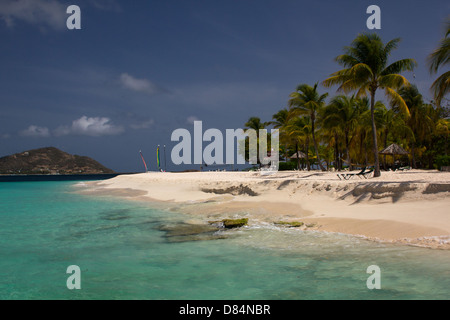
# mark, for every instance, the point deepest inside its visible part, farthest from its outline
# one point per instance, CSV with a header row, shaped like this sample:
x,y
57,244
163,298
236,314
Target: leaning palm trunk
x,y
376,172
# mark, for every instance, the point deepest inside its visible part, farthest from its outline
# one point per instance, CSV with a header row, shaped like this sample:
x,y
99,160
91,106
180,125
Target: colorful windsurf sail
x,y
142,157
158,159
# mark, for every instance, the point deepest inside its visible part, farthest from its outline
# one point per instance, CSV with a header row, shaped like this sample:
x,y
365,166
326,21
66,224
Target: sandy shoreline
x,y
407,207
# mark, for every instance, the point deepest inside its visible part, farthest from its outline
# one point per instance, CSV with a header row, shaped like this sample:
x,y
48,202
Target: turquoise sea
x,y
124,251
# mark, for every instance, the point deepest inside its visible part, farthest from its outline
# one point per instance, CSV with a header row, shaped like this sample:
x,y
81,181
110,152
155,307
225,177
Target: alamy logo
x,y
241,147
374,281
74,20
374,21
73,281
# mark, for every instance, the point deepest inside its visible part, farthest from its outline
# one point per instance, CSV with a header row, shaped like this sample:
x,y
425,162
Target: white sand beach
x,y
409,207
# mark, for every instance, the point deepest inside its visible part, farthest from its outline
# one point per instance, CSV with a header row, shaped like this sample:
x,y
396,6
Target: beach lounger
x,y
347,176
365,174
403,168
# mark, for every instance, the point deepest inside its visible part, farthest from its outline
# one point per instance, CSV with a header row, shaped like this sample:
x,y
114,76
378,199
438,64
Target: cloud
x,y
5,136
45,13
94,127
140,85
35,131
145,124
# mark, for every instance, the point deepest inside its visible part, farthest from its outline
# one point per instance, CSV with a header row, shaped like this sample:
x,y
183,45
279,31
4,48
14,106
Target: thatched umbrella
x,y
394,149
299,154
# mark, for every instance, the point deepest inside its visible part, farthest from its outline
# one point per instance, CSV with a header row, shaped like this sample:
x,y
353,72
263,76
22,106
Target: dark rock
x,y
234,223
290,224
184,232
234,190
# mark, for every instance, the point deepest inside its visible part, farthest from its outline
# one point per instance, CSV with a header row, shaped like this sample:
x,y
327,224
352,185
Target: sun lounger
x,y
347,176
365,174
403,168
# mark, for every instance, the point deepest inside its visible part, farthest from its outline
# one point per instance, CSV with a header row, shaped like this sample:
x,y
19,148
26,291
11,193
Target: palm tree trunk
x,y
376,172
446,145
347,151
307,154
336,152
366,155
298,157
315,144
385,146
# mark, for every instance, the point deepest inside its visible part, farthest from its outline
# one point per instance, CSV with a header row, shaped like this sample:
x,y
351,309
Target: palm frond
x,y
397,100
440,56
400,66
441,86
346,60
352,84
336,78
395,81
391,45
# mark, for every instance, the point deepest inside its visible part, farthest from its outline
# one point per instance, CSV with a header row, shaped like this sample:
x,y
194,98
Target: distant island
x,y
50,161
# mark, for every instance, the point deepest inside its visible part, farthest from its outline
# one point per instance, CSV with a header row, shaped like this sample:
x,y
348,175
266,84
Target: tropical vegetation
x,y
351,127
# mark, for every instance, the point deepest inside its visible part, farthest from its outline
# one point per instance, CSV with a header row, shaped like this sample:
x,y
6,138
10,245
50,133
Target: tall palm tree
x,y
392,125
385,122
307,101
342,112
331,132
255,124
420,121
439,58
280,121
366,70
300,129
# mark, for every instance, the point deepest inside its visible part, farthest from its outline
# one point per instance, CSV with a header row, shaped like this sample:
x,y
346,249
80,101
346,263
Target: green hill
x,y
50,161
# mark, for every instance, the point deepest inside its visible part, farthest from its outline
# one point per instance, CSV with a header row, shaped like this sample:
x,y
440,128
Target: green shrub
x,y
287,166
442,161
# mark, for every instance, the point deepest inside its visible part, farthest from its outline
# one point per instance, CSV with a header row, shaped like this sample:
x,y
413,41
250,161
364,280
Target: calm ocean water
x,y
124,252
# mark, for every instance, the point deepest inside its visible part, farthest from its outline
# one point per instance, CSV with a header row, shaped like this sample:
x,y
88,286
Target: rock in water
x,y
183,232
234,223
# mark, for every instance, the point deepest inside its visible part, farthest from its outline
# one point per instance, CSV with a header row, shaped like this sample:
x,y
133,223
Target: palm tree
x,y
443,129
385,119
392,126
418,122
439,58
343,113
366,70
255,124
300,128
307,101
280,121
331,132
